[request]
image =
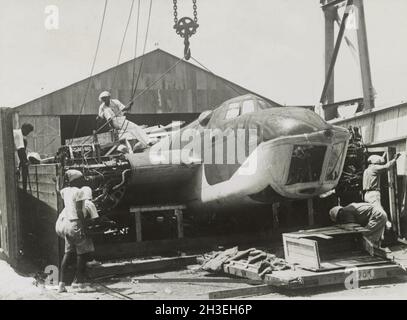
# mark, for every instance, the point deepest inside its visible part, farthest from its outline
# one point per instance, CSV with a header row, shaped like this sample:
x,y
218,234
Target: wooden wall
x,y
185,89
10,233
46,137
40,207
381,127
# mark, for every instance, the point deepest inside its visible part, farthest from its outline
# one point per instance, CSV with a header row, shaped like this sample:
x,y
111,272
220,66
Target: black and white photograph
x,y
224,151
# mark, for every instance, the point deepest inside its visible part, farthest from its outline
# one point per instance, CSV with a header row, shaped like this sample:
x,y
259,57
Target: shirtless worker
x,y
112,110
20,142
73,229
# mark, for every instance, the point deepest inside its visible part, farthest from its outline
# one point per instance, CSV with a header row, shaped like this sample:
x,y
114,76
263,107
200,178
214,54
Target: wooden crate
x,y
329,248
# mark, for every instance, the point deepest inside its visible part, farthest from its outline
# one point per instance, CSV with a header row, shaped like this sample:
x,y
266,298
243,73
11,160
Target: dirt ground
x,y
15,286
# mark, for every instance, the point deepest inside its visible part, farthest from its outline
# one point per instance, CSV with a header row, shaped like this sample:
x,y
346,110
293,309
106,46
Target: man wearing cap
x,y
20,142
371,177
112,110
73,228
369,216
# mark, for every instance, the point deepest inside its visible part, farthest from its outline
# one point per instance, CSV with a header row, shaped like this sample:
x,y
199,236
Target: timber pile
x,y
257,261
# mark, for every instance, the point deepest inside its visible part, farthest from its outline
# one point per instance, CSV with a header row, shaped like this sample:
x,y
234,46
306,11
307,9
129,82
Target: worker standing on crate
x,y
20,142
112,110
371,177
71,226
372,217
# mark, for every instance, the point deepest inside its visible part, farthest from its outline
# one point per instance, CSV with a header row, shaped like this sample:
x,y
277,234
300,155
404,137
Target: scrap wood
x,y
194,280
242,254
216,263
241,292
260,256
259,262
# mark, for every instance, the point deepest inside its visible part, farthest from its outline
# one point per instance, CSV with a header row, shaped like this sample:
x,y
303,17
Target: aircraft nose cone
x,y
278,126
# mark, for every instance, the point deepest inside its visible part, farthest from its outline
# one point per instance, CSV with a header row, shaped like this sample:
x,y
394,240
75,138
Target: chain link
x,y
195,11
175,12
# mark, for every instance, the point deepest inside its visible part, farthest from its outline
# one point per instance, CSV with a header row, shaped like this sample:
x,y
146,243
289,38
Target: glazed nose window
x,y
335,162
306,164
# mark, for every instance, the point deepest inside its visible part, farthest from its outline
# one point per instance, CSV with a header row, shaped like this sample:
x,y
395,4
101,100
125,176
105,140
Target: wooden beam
x,y
197,280
157,247
242,292
128,267
299,279
368,91
332,61
10,224
137,220
329,54
180,223
393,199
150,208
403,209
343,103
310,207
328,4
275,206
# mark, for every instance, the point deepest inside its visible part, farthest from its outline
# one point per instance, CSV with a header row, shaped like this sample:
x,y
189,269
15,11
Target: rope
x,y
122,44
144,51
141,62
92,69
135,45
230,86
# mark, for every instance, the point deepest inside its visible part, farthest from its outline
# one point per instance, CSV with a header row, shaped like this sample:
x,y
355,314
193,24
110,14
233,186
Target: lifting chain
x,y
186,27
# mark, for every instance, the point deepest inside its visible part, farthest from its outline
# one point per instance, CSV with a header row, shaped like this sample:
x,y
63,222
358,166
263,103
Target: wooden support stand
x,y
176,209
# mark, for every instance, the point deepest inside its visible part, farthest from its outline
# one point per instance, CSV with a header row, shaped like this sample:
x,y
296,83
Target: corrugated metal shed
x,y
185,89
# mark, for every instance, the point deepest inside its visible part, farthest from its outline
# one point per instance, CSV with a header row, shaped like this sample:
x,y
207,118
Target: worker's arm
x,y
22,156
100,113
128,107
388,165
121,106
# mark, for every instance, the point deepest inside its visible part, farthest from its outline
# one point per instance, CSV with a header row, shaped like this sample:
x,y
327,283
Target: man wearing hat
x,y
371,177
369,216
73,216
112,110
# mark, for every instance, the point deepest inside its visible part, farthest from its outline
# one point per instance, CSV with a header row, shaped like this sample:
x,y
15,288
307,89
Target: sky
x,y
272,47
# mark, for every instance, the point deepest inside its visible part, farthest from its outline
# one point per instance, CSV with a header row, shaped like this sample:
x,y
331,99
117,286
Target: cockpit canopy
x,y
239,106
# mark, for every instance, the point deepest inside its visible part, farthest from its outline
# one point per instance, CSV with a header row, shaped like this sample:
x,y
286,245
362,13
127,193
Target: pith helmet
x,y
73,174
104,94
333,213
375,159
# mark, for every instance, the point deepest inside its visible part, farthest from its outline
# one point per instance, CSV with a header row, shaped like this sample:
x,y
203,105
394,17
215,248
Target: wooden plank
x,y
141,266
137,220
196,280
310,207
155,247
349,262
180,223
11,238
150,208
242,292
275,207
242,270
302,251
296,279
393,200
